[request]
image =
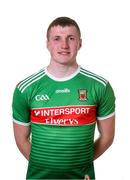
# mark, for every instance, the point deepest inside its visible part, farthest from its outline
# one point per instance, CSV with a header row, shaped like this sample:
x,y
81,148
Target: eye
x,y
57,38
71,38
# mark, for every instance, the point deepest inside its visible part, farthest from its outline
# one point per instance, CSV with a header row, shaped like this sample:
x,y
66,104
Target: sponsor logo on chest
x,y
64,115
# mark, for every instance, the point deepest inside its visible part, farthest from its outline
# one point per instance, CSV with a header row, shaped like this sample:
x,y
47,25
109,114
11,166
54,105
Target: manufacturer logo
x,y
82,94
65,90
42,97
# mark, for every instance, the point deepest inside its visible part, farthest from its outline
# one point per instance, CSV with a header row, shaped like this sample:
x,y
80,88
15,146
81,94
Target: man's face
x,y
63,44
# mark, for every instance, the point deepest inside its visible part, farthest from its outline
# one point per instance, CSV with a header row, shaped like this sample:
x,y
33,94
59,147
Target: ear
x,y
47,44
80,43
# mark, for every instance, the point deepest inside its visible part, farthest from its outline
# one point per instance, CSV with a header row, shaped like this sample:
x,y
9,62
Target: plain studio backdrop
x,y
105,27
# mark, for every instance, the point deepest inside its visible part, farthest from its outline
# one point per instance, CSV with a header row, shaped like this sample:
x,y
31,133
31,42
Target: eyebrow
x,y
70,35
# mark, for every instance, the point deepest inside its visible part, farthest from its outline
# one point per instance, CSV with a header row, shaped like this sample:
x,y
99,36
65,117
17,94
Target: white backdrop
x,y
105,27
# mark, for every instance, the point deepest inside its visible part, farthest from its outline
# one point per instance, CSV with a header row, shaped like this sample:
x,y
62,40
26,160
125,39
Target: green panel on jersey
x,y
61,148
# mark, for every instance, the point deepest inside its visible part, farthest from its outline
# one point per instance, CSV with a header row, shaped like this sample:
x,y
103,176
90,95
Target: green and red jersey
x,y
62,113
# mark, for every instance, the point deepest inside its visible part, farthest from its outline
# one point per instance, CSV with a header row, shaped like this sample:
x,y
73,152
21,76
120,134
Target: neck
x,y
61,70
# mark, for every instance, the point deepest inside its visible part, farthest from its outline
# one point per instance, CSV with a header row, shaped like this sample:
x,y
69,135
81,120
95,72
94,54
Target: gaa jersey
x,y
62,113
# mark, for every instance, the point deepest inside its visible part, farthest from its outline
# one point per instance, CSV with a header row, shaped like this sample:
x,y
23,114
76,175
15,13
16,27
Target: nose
x,y
65,44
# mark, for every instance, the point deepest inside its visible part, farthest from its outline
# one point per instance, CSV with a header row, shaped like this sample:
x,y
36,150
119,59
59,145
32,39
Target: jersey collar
x,y
62,79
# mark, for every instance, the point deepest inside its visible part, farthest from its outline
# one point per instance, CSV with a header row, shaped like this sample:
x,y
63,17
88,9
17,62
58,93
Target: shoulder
x,y
94,78
30,80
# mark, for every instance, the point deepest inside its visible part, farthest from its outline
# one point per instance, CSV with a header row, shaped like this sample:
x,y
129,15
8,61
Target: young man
x,y
60,106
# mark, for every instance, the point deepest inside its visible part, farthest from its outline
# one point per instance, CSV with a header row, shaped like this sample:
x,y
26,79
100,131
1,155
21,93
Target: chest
x,y
64,104
63,94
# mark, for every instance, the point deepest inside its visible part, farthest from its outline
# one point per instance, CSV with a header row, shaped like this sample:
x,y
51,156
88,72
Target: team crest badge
x,y
82,94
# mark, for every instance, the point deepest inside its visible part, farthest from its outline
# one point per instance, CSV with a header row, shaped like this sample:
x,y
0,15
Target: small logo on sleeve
x,y
82,94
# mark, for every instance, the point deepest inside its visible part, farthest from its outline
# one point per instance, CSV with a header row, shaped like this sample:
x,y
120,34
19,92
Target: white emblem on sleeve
x,y
44,97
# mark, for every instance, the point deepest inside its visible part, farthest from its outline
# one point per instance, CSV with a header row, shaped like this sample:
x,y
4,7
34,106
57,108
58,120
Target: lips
x,y
64,53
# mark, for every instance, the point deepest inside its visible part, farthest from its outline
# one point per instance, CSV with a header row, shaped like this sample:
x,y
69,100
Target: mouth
x,y
64,52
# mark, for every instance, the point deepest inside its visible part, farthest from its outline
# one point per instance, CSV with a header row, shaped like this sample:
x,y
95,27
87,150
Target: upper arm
x,y
106,112
21,133
107,127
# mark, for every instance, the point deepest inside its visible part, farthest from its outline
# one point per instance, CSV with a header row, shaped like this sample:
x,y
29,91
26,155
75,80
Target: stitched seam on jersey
x,y
28,79
93,78
105,117
32,81
94,75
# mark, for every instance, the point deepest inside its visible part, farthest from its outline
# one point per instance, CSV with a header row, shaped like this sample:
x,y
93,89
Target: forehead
x,y
61,31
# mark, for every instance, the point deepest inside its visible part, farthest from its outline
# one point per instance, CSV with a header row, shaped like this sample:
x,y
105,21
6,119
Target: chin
x,y
65,62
